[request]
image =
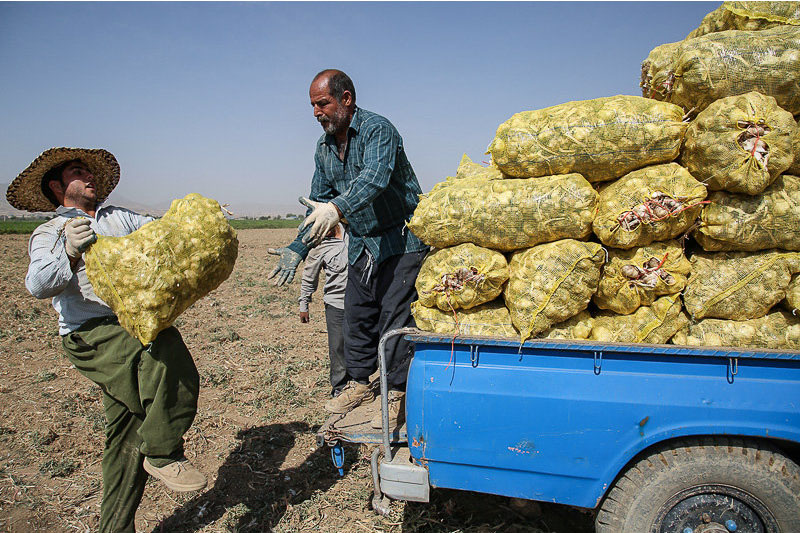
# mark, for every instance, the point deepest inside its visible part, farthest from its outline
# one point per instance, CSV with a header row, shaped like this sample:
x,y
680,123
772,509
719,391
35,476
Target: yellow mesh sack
x,y
722,64
600,139
577,327
461,277
795,168
550,283
657,71
654,324
739,143
468,169
777,330
508,214
738,285
751,16
487,320
739,222
792,301
636,277
154,274
655,203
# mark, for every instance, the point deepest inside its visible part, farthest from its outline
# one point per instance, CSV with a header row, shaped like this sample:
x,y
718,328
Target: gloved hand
x,y
323,219
80,236
287,265
304,317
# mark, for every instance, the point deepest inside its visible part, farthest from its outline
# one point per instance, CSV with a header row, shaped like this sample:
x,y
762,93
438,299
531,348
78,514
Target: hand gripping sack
x,y
600,139
461,277
656,203
739,143
550,283
654,324
487,320
775,331
750,16
151,276
740,222
509,214
737,285
734,62
636,277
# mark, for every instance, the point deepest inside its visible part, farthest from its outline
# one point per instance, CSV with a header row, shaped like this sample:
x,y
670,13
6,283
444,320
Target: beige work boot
x,y
352,395
179,476
397,410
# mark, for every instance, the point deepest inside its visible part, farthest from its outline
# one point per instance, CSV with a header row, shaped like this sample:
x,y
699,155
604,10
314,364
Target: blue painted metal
x,y
553,421
337,456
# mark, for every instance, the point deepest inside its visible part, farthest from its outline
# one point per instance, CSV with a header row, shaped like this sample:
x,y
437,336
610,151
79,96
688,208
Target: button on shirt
x,y
50,274
375,188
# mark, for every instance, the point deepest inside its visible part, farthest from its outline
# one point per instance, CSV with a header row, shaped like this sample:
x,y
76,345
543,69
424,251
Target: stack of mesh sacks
x,y
586,206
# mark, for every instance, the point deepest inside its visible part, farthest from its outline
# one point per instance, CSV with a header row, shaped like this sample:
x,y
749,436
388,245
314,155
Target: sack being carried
x,y
740,222
636,277
461,277
739,143
550,283
488,320
655,203
509,214
154,274
738,285
600,139
776,331
654,324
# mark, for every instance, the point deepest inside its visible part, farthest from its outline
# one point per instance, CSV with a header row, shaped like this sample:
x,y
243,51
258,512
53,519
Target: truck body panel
x,y
558,420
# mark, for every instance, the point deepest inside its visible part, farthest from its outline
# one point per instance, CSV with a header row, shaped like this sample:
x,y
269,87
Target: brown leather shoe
x,y
353,394
397,410
179,476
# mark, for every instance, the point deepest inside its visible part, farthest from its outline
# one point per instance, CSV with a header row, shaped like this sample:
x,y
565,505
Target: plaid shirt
x,y
375,188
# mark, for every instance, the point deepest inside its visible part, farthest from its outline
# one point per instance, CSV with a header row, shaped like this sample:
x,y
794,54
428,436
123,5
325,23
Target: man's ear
x,y
57,187
347,98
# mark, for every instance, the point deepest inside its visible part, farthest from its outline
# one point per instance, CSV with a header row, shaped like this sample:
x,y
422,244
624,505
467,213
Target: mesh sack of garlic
x,y
509,214
487,320
151,276
651,204
795,168
722,64
577,327
738,285
657,70
776,330
792,301
653,324
748,15
461,277
600,139
739,143
740,222
551,282
636,277
467,170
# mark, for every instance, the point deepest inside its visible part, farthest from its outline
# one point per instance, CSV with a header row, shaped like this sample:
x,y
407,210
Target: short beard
x,y
337,123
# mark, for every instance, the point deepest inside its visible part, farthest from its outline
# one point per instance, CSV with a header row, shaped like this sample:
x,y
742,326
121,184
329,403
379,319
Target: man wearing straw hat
x,y
362,174
149,394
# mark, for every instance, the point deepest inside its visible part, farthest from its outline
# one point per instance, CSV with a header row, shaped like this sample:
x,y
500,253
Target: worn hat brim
x,y
25,192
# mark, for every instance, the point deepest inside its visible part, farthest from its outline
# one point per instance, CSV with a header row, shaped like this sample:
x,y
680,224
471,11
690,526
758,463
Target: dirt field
x,y
263,384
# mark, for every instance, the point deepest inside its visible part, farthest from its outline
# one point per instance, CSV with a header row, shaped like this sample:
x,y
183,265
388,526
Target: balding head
x,y
337,82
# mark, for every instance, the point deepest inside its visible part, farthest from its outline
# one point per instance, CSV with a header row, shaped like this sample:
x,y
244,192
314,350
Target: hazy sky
x,y
213,97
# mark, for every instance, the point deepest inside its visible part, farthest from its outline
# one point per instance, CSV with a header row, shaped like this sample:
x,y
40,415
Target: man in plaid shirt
x,y
362,174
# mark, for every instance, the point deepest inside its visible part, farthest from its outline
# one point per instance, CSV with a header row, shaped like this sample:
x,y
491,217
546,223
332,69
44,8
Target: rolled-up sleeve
x,y
380,153
49,271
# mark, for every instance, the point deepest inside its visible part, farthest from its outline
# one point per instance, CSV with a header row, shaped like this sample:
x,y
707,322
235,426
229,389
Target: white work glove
x,y
323,219
79,235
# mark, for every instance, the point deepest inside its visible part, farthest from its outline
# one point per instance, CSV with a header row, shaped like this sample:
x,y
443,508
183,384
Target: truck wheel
x,y
708,485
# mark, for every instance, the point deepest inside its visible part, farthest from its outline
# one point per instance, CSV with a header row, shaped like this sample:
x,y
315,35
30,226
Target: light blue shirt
x,y
50,275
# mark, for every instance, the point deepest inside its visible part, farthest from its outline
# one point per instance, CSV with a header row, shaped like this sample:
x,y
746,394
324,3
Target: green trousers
x,y
150,401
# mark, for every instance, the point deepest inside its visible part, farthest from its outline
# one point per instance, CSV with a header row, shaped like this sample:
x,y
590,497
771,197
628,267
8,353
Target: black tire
x,y
656,493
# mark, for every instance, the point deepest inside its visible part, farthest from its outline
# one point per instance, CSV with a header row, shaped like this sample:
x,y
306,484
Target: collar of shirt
x,y
72,212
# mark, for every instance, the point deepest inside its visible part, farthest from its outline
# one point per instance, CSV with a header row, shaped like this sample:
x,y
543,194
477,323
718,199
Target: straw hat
x,y
25,192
